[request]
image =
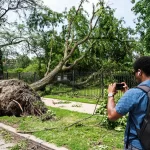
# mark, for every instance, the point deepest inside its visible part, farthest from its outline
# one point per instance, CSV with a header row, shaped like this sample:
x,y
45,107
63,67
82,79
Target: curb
x,y
38,143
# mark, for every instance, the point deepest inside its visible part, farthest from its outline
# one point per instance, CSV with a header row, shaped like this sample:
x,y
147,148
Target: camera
x,y
119,86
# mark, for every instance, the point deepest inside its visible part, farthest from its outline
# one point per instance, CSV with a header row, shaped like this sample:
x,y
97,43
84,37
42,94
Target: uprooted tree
x,y
99,36
17,97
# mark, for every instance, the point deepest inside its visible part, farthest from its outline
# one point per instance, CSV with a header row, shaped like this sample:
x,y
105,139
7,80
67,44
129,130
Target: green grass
x,y
85,135
90,94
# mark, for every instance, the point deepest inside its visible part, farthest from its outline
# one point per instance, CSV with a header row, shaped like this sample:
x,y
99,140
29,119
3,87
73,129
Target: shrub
x,y
102,110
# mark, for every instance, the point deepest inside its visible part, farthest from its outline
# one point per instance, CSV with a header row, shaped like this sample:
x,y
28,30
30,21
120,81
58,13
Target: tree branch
x,y
112,38
12,43
49,63
64,68
85,38
67,45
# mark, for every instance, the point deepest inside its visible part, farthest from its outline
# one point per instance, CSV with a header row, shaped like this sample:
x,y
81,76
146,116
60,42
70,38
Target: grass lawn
x,y
87,95
85,135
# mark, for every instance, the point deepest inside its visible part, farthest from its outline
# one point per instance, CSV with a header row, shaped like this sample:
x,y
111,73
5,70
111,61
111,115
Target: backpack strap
x,y
146,89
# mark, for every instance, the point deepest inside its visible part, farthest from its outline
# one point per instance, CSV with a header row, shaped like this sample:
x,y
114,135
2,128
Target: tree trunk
x,y
47,79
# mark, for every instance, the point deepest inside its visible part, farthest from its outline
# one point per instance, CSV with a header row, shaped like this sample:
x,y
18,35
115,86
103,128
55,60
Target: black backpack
x,y
143,134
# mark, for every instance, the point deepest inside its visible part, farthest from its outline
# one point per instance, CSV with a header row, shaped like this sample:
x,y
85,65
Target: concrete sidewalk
x,y
70,105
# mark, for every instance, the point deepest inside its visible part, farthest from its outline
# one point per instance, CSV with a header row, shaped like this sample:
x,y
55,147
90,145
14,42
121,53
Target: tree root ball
x,y
18,98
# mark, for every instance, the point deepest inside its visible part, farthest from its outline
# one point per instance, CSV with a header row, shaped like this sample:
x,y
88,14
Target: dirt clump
x,y
18,98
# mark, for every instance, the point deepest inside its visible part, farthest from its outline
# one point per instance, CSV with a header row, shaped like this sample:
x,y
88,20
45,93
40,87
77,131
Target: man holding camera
x,y
134,101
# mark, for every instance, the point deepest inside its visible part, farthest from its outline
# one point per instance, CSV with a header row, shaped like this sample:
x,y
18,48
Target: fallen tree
x,y
17,98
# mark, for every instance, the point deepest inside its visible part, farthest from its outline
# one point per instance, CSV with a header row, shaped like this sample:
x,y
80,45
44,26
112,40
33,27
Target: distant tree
x,y
22,61
141,9
8,35
15,6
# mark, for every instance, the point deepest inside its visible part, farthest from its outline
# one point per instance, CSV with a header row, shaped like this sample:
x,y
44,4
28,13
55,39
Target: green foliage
x,y
15,70
105,45
22,61
44,17
142,10
46,44
114,46
34,67
102,110
49,115
21,145
80,23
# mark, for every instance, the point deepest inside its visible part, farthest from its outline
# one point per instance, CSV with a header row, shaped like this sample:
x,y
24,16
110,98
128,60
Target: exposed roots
x,y
18,98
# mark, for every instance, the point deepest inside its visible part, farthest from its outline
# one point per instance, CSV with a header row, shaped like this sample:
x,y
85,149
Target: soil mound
x,y
18,98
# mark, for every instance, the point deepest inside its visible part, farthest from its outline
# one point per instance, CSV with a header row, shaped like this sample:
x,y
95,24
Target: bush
x,y
102,110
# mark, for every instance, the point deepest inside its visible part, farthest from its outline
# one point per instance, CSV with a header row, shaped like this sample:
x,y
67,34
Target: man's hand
x,y
125,87
112,88
111,110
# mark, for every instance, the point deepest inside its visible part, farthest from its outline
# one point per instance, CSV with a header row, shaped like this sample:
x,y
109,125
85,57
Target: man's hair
x,y
142,63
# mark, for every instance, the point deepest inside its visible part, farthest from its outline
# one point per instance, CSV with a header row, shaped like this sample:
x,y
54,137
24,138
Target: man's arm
x,y
111,111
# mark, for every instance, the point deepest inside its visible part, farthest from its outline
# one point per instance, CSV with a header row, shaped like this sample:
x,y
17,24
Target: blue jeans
x,y
130,147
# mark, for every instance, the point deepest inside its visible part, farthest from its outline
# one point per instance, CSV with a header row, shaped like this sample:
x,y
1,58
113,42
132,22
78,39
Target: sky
x,y
122,7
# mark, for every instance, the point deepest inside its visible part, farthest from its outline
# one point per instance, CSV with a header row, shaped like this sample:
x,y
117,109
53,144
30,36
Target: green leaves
x,y
142,10
45,17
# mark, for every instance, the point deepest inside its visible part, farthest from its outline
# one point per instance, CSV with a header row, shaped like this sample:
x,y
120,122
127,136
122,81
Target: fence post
x,y
1,76
102,84
19,75
7,75
34,76
73,77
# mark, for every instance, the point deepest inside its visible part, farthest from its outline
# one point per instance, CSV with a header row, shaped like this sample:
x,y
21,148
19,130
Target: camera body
x,y
119,86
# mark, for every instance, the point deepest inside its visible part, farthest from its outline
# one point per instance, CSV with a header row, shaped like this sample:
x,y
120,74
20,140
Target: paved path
x,y
73,106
